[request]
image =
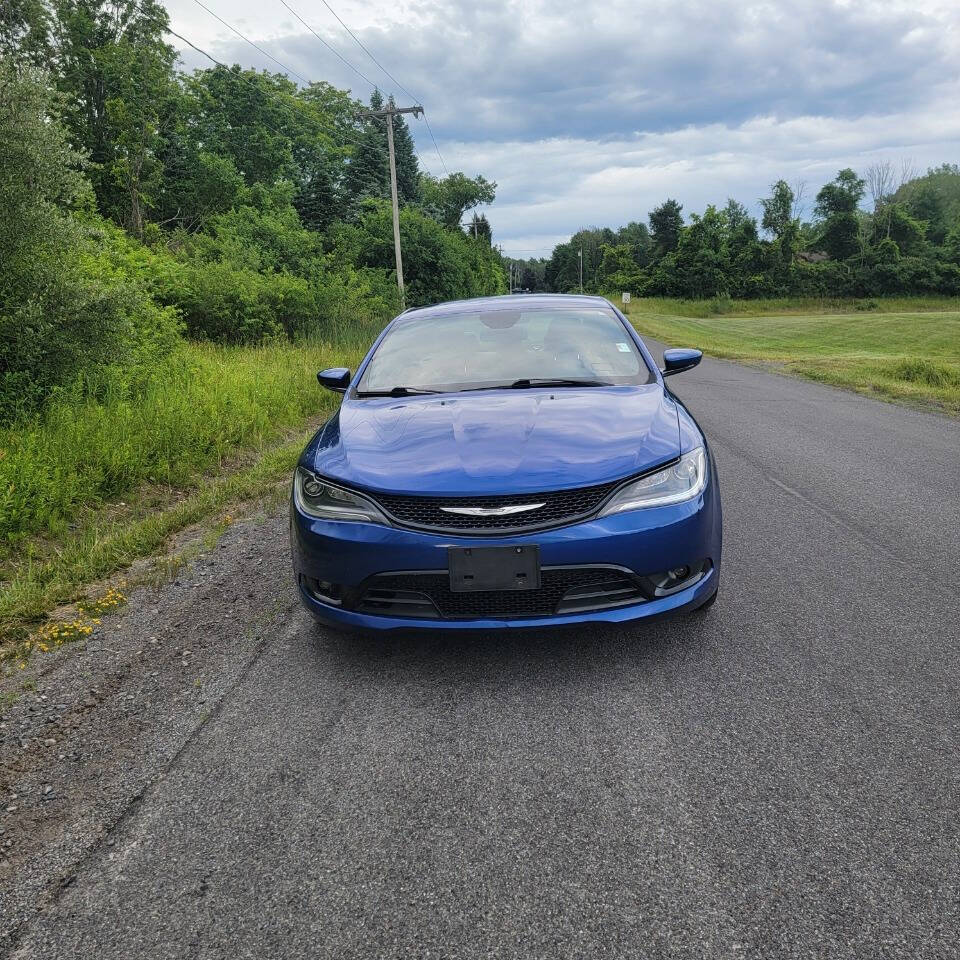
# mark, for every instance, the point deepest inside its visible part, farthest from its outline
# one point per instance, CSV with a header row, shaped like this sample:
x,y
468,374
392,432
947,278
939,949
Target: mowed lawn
x,y
901,353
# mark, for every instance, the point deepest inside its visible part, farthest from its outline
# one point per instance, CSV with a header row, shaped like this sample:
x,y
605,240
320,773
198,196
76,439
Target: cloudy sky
x,y
591,113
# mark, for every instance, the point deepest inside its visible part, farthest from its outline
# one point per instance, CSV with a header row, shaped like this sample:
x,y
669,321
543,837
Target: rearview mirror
x,y
336,379
679,359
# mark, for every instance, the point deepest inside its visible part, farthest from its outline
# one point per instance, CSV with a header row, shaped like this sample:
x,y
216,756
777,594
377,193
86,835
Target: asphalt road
x,y
778,777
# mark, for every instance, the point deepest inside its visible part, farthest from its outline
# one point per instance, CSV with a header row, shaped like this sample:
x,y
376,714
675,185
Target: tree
x,y
251,118
368,173
116,71
405,157
880,182
702,257
618,269
479,228
636,236
447,200
737,216
836,206
898,226
666,222
934,198
438,264
25,32
779,221
951,247
65,307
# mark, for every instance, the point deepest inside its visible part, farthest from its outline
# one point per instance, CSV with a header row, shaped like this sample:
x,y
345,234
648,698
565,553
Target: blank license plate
x,y
494,568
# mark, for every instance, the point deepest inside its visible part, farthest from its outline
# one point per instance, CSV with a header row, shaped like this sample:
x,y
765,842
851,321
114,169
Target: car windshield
x,y
505,348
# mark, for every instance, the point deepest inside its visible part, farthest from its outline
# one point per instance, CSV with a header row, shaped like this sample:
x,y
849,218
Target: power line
x,y
279,63
230,27
356,39
360,73
422,162
165,25
435,146
387,74
335,52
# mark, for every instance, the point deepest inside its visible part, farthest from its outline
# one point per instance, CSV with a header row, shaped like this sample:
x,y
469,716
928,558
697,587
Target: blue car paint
x,y
484,442
496,441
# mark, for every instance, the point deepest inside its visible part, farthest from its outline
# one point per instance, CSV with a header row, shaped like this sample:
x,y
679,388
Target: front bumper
x,y
645,542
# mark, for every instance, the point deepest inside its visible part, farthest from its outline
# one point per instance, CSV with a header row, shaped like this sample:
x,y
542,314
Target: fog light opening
x,y
324,591
676,579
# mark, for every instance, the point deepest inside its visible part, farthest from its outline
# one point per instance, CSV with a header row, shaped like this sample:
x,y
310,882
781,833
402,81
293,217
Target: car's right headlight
x,y
681,481
319,498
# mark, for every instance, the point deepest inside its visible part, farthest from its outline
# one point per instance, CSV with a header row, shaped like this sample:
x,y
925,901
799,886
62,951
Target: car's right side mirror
x,y
678,359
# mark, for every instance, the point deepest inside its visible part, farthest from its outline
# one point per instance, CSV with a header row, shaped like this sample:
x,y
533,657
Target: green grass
x,y
802,306
104,543
203,405
96,483
907,350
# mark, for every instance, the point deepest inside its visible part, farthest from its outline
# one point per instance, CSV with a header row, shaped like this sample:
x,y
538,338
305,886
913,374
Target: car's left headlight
x,y
681,481
318,498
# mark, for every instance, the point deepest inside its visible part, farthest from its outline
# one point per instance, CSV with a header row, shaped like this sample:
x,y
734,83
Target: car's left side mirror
x,y
336,379
678,359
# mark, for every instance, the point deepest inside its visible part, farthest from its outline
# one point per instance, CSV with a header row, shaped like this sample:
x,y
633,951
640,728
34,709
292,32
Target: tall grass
x,y
107,435
908,353
804,306
102,543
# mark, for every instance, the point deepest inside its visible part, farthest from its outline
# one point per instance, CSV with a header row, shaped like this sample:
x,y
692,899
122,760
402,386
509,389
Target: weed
x,y
202,404
921,370
720,305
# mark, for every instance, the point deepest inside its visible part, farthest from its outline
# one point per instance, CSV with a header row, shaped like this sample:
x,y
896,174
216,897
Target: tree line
x,y
906,242
139,203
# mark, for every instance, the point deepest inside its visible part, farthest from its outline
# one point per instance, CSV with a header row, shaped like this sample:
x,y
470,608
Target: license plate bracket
x,y
474,569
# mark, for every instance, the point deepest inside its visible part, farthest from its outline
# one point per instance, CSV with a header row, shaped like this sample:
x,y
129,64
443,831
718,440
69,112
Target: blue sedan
x,y
506,462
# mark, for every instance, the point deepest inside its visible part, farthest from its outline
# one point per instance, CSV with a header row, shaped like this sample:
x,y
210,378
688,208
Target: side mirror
x,y
679,359
336,379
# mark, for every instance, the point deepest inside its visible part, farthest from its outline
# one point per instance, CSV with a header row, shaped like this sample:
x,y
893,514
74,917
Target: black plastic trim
x,y
505,531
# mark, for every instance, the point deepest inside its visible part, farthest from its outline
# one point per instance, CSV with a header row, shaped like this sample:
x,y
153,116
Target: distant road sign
x,y
625,297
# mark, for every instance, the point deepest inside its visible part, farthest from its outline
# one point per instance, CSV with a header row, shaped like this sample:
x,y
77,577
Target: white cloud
x,y
591,113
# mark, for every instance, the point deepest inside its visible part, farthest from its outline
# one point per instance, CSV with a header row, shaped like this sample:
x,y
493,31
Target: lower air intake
x,y
562,590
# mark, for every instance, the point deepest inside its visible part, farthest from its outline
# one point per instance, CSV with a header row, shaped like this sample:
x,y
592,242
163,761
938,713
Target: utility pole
x,y
388,114
581,269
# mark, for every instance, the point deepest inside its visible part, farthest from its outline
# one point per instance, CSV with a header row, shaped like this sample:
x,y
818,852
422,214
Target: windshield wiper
x,y
557,382
397,392
526,382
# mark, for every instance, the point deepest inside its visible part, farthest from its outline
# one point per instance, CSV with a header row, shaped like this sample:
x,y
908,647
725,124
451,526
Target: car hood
x,y
497,441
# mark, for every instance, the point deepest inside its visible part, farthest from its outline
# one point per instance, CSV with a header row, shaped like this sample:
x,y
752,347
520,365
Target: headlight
x,y
681,481
318,498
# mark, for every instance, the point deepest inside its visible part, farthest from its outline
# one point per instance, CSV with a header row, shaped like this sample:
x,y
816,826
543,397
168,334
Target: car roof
x,y
526,301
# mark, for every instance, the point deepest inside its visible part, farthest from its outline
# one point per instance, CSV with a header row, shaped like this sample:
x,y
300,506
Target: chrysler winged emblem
x,y
492,511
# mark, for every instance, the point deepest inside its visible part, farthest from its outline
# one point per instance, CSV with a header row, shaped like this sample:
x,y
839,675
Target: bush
x,y
258,275
439,264
721,304
68,304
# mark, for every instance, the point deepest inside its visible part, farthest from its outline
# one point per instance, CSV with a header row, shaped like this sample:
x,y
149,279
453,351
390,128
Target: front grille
x,y
559,507
562,590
